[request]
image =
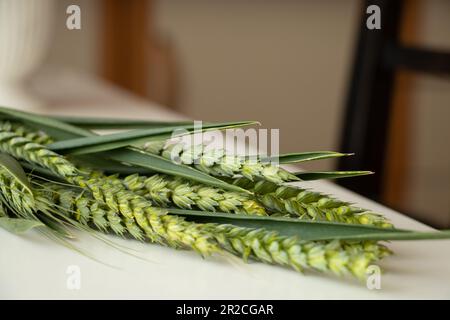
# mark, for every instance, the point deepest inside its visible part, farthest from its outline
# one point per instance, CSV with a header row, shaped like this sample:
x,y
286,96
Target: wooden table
x,y
33,267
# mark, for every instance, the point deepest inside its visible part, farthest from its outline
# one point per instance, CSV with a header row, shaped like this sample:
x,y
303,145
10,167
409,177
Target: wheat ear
x,y
335,257
15,195
37,136
290,200
217,162
308,204
137,211
165,191
172,230
338,257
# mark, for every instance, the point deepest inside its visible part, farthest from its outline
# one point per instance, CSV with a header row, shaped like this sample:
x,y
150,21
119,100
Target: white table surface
x,y
32,267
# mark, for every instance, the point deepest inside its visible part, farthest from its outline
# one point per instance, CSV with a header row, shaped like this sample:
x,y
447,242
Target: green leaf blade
x,y
19,226
309,156
58,128
317,175
100,143
310,230
114,123
158,164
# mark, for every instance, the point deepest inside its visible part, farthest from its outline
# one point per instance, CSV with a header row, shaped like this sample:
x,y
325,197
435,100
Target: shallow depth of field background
x,y
285,63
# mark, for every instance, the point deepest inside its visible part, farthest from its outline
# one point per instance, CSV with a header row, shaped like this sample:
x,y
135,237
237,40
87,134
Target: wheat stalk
x,y
336,257
159,188
261,245
291,200
134,208
164,190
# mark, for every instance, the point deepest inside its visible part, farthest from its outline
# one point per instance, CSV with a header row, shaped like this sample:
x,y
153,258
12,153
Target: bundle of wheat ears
x,y
57,175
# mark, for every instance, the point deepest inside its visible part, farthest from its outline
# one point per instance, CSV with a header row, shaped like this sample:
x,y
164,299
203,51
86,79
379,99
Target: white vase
x,y
25,32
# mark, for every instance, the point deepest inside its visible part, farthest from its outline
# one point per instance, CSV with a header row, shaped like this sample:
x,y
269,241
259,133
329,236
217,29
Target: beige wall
x,y
286,64
77,49
265,60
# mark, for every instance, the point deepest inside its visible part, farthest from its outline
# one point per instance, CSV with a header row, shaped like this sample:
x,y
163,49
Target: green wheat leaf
x,y
19,226
114,123
310,230
99,143
53,127
316,175
130,155
308,156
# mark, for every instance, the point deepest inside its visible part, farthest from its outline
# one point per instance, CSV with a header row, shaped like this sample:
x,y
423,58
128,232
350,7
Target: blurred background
x,y
300,66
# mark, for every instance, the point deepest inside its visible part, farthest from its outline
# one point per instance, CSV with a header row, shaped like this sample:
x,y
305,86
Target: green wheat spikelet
x,y
123,206
15,195
271,198
139,216
86,210
308,204
153,224
165,191
217,162
39,137
183,193
24,148
337,257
